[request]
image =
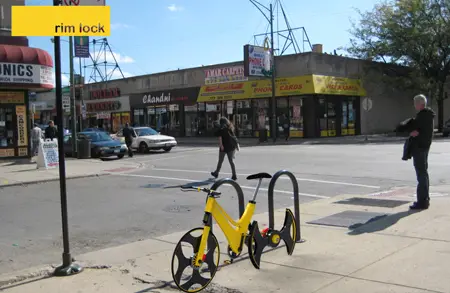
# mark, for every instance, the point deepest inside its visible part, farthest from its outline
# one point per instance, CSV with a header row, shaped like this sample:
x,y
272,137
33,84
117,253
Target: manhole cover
x,y
372,202
348,219
154,186
177,209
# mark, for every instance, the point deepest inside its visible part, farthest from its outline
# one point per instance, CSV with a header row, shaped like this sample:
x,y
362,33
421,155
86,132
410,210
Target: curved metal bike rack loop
x,y
238,189
271,191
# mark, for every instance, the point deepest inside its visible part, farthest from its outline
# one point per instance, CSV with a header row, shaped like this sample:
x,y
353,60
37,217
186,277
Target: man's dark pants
x,y
128,143
420,159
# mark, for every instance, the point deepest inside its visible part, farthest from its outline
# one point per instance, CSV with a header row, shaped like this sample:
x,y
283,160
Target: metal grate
x,y
348,218
373,202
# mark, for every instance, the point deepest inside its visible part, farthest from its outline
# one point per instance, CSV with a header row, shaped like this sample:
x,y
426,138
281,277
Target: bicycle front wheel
x,y
187,276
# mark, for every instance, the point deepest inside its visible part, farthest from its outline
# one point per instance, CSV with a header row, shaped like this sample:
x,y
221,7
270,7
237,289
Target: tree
x,y
412,33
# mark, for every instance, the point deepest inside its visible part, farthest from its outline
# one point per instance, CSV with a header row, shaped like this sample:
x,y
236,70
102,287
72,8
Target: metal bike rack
x,y
239,192
296,202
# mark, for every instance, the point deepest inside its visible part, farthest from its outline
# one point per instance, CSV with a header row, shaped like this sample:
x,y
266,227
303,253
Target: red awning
x,y
25,55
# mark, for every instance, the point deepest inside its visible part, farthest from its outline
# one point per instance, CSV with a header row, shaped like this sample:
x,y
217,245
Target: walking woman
x,y
228,145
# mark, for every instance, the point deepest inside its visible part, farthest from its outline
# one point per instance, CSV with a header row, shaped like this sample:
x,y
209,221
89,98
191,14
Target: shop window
x,y
174,119
282,109
190,120
6,128
244,118
261,110
138,117
296,116
151,117
202,128
213,113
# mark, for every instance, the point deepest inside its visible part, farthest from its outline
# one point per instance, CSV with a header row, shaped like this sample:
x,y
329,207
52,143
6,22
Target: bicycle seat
x,y
259,176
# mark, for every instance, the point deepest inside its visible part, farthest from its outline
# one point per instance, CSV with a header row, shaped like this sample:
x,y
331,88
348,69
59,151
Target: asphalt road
x,y
117,209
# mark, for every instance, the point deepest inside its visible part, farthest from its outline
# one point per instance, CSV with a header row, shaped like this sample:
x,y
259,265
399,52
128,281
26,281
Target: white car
x,y
146,139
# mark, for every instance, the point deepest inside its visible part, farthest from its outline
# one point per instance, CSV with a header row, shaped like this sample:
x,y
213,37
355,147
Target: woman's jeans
x,y
230,156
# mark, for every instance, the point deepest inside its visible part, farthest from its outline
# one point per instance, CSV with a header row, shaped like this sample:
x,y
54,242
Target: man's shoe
x,y
214,174
420,206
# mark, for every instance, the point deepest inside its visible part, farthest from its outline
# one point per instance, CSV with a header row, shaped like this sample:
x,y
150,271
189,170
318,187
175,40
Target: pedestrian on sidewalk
x,y
36,136
421,130
228,145
50,131
286,124
128,135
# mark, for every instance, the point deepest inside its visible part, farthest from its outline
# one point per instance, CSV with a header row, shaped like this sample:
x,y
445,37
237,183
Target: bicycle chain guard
x,y
258,241
185,262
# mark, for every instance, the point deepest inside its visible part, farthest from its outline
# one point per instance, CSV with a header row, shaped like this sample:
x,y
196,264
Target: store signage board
x,y
16,73
48,157
66,103
225,74
83,2
257,61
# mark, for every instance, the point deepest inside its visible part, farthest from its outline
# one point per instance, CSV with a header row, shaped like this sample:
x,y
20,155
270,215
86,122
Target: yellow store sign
x,y
21,114
289,86
331,85
224,92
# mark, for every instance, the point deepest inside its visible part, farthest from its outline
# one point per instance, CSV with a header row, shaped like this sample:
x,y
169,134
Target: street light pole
x,y
81,97
67,268
270,18
274,102
72,101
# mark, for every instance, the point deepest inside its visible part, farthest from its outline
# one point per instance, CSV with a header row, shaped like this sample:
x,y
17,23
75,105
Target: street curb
x,y
51,180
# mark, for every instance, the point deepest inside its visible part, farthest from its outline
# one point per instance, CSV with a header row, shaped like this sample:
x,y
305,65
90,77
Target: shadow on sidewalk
x,y
378,224
19,282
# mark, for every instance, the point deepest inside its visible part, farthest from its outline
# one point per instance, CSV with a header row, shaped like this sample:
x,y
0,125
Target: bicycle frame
x,y
234,231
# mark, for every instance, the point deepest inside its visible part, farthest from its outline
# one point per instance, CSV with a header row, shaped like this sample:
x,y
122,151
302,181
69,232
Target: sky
x,y
151,36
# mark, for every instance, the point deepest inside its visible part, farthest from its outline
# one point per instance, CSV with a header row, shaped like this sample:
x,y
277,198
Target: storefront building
x,y
316,106
22,69
107,109
173,112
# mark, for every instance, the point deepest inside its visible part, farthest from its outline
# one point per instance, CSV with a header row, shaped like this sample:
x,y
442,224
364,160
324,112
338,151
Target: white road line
x,y
192,153
191,180
284,178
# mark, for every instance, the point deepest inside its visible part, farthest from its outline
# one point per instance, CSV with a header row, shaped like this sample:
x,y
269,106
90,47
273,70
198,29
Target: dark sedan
x,y
102,145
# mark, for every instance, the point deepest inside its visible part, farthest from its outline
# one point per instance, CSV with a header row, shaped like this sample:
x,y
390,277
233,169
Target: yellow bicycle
x,y
203,261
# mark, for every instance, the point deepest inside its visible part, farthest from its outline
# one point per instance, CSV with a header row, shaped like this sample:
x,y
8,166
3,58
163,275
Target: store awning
x,y
25,68
288,86
25,55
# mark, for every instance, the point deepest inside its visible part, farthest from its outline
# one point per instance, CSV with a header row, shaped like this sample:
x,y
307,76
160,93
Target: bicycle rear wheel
x,y
187,276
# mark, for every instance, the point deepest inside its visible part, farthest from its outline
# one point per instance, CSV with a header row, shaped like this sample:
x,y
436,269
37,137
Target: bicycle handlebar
x,y
204,189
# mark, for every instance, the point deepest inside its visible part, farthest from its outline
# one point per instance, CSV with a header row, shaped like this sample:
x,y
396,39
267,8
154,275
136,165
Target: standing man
x,y
50,131
286,124
421,130
36,136
128,135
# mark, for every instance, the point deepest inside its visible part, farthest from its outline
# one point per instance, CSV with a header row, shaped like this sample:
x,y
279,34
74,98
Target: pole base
x,y
72,269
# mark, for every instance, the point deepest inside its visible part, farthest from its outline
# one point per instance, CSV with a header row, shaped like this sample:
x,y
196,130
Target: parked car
x,y
446,129
146,139
94,129
102,145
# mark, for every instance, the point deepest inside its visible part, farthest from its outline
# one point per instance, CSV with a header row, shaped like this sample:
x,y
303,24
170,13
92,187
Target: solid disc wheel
x,y
256,243
188,277
288,232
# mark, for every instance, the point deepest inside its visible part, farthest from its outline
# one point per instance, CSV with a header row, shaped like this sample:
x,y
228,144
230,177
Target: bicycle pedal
x,y
228,261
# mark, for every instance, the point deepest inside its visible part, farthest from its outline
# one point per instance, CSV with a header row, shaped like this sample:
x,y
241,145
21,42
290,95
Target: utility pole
x,y
81,86
270,19
274,102
73,109
67,268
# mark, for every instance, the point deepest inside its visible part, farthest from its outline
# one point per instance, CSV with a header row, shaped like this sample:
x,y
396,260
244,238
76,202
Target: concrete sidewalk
x,y
18,172
405,252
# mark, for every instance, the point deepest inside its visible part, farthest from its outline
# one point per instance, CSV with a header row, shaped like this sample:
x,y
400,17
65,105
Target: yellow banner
x,y
224,92
22,137
331,85
45,21
290,86
6,153
12,98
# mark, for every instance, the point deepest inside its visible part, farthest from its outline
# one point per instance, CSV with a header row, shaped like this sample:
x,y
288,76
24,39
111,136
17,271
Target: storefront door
x,y
7,129
348,124
327,115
